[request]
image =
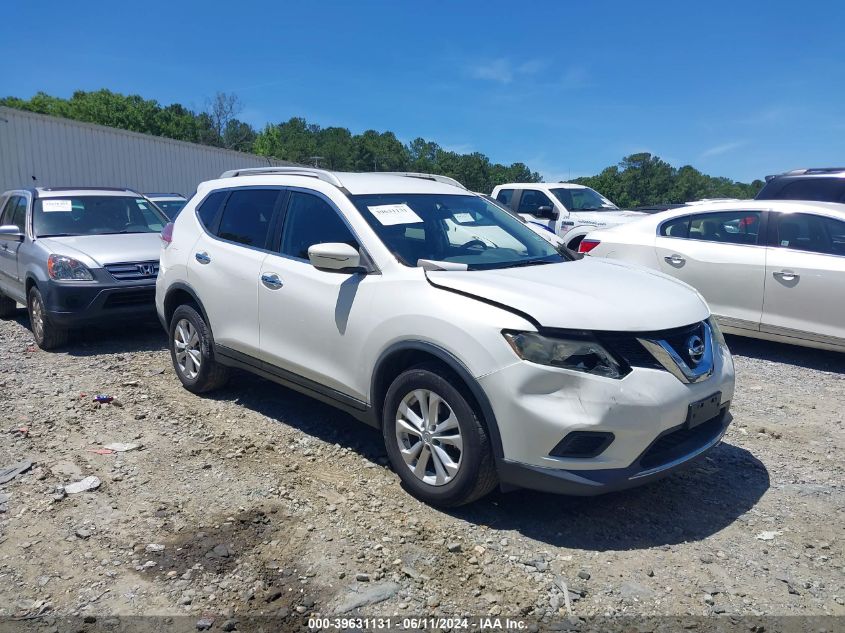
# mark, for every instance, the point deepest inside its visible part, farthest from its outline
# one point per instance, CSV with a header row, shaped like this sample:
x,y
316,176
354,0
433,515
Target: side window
x,y
19,215
246,218
677,227
532,200
9,210
812,233
207,211
505,196
727,227
311,220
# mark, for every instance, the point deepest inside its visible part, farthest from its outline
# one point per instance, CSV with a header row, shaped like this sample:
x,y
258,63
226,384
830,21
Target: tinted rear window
x,y
246,218
818,189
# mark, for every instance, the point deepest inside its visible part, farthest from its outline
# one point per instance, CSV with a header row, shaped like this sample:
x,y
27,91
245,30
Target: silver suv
x,y
77,256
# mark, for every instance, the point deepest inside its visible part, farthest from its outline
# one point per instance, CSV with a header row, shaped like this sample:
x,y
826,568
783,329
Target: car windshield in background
x,y
95,215
585,199
171,208
459,229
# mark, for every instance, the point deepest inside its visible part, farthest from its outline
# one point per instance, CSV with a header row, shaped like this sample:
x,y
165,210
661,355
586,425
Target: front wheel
x,y
191,350
47,335
435,440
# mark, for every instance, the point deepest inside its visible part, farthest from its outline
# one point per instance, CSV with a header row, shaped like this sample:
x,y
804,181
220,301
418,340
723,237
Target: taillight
x,y
167,233
587,245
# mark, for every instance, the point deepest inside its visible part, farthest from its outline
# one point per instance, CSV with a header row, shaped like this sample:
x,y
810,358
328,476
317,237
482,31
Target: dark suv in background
x,y
823,184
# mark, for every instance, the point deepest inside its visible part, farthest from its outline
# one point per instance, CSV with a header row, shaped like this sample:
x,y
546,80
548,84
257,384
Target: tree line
x,y
643,179
639,179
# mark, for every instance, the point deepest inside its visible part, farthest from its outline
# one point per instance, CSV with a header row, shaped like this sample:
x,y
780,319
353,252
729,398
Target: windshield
x,y
171,208
583,199
459,229
95,215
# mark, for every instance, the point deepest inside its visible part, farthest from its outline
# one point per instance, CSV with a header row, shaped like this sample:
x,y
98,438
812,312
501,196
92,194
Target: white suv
x,y
568,210
481,364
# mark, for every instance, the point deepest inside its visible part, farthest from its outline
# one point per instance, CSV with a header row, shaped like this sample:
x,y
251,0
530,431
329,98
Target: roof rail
x,y
311,172
814,170
88,189
446,180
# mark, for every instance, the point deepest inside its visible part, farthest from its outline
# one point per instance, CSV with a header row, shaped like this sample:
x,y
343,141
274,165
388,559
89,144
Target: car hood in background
x,y
585,294
98,250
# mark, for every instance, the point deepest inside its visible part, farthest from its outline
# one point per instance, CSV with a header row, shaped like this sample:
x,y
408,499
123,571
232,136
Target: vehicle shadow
x,y
286,406
687,506
809,358
120,338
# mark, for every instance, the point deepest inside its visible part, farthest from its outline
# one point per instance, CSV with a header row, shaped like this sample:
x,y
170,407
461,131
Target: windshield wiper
x,y
59,235
530,262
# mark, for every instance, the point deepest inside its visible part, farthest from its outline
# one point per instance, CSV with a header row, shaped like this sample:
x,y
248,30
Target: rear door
x,y
805,278
225,265
14,212
721,254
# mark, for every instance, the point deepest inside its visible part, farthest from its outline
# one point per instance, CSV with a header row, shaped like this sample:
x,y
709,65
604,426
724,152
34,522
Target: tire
x,y
471,473
46,333
188,329
8,307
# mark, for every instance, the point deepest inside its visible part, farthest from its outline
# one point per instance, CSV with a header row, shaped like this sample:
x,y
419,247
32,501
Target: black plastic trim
x,y
357,408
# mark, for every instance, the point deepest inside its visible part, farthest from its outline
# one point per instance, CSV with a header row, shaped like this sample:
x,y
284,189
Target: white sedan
x,y
769,269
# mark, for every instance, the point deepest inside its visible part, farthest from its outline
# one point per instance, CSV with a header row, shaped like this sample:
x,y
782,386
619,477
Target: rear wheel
x,y
191,350
8,307
47,335
435,440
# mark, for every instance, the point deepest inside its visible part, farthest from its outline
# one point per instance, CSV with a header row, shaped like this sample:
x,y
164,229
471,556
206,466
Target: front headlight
x,y
717,332
586,355
63,268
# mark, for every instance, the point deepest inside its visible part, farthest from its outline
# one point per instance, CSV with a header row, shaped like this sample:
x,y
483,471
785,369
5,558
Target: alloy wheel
x,y
186,345
429,437
37,317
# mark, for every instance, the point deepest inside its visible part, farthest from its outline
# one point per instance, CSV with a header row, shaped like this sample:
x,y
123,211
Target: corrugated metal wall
x,y
44,151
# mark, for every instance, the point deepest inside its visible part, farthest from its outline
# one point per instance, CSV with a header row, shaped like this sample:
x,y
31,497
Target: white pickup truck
x,y
570,210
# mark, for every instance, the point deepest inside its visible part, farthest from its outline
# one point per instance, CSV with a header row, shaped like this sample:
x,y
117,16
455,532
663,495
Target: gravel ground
x,y
257,500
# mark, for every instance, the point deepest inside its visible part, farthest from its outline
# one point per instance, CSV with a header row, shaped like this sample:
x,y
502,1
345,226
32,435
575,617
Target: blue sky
x,y
737,89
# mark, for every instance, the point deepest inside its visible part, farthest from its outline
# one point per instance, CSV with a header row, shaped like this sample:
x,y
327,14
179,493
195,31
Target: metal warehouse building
x,y
43,151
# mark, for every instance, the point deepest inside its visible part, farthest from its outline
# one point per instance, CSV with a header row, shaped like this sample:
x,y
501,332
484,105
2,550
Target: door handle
x,y
675,260
203,258
786,275
272,281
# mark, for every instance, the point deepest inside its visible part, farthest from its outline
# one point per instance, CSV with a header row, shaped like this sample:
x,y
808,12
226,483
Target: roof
x,y
354,183
811,172
542,185
784,206
64,192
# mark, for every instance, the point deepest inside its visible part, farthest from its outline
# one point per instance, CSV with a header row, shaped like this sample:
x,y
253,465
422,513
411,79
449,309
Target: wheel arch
x,y
405,354
182,294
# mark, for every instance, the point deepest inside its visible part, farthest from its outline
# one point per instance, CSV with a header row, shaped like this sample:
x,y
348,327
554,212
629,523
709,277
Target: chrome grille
x,y
133,271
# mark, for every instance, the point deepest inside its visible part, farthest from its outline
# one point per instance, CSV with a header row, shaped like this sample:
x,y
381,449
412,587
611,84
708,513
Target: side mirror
x,y
334,256
11,233
546,211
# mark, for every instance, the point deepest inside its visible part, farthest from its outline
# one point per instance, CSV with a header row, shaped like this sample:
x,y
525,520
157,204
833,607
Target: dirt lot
x,y
257,500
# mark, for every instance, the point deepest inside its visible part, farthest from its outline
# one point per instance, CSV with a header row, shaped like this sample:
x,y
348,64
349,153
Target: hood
x,y
98,250
586,294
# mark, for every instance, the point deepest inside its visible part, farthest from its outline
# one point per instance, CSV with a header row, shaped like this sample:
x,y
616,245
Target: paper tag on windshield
x,y
390,214
463,218
51,206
